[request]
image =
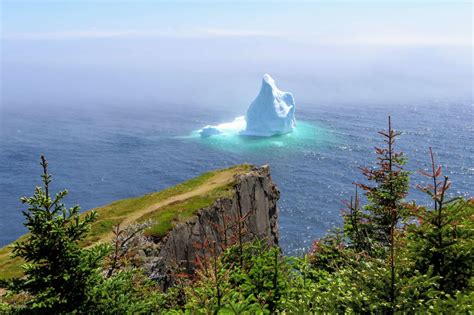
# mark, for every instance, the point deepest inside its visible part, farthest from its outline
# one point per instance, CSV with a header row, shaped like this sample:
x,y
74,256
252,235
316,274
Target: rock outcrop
x,y
250,212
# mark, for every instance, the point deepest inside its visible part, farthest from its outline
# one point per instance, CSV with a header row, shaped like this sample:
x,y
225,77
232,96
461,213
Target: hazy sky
x,y
150,50
365,22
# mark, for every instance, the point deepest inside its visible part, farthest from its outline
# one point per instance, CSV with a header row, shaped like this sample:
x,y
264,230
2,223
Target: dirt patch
x,y
218,180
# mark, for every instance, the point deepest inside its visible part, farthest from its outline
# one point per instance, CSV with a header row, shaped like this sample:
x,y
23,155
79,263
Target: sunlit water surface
x,y
105,153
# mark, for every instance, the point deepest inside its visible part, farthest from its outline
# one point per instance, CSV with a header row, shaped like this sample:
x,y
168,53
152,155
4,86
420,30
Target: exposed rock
x,y
253,203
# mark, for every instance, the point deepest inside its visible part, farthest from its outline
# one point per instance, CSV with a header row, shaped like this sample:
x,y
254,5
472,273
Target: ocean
x,y
104,153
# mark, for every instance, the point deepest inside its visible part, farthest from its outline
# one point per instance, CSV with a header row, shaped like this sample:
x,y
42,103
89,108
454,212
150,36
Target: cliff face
x,y
251,211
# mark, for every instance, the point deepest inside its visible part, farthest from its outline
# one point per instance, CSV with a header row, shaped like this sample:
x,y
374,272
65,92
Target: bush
x,y
127,292
248,278
61,276
391,257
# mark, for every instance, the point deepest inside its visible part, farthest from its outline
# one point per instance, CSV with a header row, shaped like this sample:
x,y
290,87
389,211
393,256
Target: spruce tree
x,y
374,227
442,241
58,273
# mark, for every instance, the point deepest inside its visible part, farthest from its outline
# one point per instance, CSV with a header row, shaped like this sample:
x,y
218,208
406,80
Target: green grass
x,y
9,267
164,217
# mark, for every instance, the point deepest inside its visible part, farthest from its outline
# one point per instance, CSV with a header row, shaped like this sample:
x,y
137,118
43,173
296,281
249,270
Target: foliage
x,y
58,272
125,244
60,275
330,253
127,292
373,229
448,248
443,238
459,303
174,209
256,284
385,199
390,257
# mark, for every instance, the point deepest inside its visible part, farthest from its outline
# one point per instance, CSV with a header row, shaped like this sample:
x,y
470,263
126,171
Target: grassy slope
x,y
165,208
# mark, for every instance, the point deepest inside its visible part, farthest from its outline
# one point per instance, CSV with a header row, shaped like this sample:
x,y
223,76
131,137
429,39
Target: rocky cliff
x,y
250,211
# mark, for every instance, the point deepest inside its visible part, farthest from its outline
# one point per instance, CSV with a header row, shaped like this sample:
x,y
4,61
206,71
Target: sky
x,y
327,51
365,22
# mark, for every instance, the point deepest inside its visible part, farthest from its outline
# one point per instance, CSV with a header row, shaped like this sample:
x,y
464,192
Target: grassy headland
x,y
164,208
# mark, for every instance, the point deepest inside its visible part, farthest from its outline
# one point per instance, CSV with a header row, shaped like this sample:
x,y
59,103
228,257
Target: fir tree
x,y
443,239
58,272
374,228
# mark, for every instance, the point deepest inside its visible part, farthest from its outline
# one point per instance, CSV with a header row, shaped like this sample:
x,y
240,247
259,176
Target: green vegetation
x,y
391,257
58,273
9,266
166,216
165,208
62,276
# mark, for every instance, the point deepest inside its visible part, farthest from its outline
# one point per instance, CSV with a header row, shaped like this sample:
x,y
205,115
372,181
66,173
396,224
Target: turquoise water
x,y
305,135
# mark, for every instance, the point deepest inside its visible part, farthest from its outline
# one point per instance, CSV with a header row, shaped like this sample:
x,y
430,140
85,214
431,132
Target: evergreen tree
x,y
58,272
443,238
373,229
386,198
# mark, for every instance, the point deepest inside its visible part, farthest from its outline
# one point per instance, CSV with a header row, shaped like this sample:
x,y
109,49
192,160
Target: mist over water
x,y
226,72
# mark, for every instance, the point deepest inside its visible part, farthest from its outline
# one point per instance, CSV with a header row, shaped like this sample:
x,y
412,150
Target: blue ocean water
x,y
103,153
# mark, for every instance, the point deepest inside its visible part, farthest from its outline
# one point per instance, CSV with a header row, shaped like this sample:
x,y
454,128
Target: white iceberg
x,y
271,113
233,127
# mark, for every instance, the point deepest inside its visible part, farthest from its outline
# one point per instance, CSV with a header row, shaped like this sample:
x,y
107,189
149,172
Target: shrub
x,y
58,272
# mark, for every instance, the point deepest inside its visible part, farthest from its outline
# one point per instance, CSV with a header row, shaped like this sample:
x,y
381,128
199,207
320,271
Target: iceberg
x,y
271,113
234,127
